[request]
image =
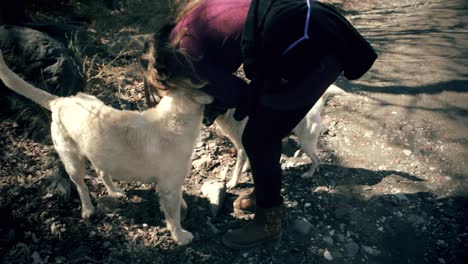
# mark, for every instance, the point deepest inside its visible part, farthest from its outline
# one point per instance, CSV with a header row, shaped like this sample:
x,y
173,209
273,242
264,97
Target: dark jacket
x,y
327,26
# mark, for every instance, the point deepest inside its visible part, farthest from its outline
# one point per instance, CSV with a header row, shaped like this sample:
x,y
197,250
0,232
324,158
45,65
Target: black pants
x,y
271,122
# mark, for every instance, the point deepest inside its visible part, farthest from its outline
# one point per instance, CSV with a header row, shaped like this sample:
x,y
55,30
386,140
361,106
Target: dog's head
x,y
167,68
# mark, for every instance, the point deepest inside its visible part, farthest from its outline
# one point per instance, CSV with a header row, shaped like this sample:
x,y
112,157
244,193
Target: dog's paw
x,y
310,173
116,194
183,237
86,213
231,184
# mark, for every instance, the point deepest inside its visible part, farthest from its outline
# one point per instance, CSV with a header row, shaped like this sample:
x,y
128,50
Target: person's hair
x,y
163,64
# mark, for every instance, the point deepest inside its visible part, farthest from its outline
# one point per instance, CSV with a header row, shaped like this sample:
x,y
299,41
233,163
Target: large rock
x,y
42,61
215,192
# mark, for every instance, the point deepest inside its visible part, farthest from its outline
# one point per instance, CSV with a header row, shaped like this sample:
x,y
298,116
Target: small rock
x,y
328,240
401,197
215,192
441,260
54,229
302,226
341,238
415,219
223,174
36,258
442,243
370,250
202,163
48,196
407,152
321,189
351,249
327,255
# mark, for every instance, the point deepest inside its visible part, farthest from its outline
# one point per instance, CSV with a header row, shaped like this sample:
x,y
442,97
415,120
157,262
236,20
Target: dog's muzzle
x,y
211,113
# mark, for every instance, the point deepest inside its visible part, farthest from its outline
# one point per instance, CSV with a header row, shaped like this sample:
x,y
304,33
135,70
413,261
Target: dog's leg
x,y
113,190
246,166
240,163
171,201
309,148
314,167
75,167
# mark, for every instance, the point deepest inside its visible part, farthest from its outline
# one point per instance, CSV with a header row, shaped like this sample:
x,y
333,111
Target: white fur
x,y
151,146
308,131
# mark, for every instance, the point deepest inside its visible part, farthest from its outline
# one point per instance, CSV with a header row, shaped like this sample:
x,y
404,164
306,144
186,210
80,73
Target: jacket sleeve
x,y
227,89
248,41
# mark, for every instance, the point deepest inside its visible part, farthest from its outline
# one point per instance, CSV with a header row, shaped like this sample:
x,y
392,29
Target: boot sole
x,y
274,242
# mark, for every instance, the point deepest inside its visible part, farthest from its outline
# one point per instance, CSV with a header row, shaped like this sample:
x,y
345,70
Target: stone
x,y
351,249
328,240
327,255
302,226
370,250
42,61
415,219
203,163
407,152
401,197
216,193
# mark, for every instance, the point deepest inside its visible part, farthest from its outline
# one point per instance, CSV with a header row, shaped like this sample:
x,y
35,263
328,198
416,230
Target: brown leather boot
x,y
245,202
266,227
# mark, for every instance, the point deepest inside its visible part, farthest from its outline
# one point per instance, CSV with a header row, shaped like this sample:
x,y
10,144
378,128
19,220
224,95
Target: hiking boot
x,y
266,227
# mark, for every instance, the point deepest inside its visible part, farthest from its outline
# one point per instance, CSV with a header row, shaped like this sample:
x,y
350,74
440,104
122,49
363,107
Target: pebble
x,y
442,243
351,249
302,226
328,240
327,255
54,229
415,219
407,152
202,163
370,250
340,237
36,258
401,197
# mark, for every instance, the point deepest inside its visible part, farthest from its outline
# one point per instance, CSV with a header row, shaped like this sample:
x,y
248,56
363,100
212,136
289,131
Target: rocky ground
x,y
392,187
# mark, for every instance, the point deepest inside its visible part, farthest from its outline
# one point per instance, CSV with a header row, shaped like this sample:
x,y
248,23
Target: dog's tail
x,y
15,83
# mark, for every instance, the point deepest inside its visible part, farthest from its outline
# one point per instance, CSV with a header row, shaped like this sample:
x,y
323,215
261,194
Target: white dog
x,y
151,146
308,131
